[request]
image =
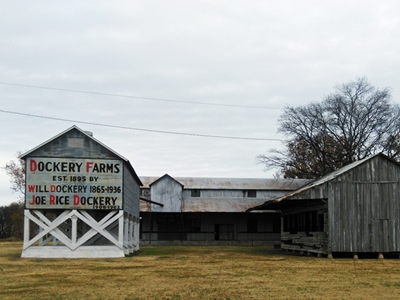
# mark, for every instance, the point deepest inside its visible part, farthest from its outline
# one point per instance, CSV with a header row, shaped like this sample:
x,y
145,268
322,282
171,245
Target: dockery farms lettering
x,y
55,183
72,167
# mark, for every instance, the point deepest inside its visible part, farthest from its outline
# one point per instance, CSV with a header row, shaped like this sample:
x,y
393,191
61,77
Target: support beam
x,y
105,238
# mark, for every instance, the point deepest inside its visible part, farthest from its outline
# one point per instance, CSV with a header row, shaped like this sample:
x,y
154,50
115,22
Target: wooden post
x,y
74,230
26,228
133,230
121,229
137,233
131,234
126,234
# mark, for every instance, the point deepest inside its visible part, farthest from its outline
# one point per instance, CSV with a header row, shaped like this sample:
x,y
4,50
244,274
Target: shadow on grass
x,y
204,250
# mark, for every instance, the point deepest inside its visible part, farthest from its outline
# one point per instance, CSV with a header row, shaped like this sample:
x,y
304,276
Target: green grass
x,y
202,272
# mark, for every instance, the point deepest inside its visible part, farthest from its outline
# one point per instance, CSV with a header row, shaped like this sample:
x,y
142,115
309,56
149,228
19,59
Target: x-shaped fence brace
x,y
51,227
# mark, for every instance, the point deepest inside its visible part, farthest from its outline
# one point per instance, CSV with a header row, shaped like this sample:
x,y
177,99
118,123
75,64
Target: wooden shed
x,y
355,209
81,199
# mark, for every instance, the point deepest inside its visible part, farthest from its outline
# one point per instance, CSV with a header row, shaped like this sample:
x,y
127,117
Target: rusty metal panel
x,y
145,206
219,205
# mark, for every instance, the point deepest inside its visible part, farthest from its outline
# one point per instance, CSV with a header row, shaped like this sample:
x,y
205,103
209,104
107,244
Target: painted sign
x,y
71,183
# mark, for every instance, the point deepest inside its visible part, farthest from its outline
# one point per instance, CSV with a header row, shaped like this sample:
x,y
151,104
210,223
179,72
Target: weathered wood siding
x,y
364,217
74,144
363,212
131,193
364,208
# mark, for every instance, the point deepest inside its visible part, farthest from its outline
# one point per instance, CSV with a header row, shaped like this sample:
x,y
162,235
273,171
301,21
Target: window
x,y
252,225
145,192
250,193
195,193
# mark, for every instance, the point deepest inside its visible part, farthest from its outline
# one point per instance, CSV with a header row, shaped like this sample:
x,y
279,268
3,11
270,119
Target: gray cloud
x,y
258,53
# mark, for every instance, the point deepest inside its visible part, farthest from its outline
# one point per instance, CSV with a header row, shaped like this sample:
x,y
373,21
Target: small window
x,y
195,193
145,192
251,193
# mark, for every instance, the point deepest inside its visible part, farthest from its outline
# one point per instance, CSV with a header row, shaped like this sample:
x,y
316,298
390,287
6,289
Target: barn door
x,y
379,235
379,224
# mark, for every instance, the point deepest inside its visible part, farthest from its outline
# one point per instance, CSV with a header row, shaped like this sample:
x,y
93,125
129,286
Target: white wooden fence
x,y
77,234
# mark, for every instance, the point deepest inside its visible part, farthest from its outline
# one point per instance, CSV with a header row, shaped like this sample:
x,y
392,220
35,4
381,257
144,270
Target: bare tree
x,y
16,171
354,122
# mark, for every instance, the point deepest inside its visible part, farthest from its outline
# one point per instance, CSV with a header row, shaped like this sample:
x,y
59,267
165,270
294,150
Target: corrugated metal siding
x,y
168,192
210,201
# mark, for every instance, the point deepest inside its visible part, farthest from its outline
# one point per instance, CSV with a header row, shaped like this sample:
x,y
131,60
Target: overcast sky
x,y
213,68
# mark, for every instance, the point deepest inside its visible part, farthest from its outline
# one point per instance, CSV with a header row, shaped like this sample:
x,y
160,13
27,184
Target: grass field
x,y
215,272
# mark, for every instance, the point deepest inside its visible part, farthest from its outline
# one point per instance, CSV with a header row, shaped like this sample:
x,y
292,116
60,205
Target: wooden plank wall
x,y
364,209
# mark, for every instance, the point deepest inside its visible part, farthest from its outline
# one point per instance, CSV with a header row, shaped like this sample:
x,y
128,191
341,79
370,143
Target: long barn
x,y
210,211
355,209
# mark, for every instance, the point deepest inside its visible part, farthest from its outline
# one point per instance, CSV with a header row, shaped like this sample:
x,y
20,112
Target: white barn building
x,y
81,199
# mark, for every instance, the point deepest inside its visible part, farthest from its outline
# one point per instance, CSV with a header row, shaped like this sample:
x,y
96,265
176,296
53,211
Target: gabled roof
x,y
22,156
320,181
165,176
74,127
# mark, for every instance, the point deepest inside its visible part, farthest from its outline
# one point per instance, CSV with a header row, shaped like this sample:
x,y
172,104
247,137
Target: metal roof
x,y
212,205
315,183
232,183
220,205
22,156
